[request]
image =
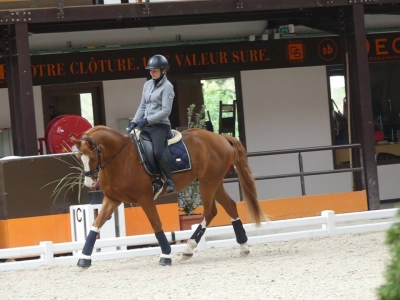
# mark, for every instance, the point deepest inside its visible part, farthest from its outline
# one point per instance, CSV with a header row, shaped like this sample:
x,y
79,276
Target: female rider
x,y
152,115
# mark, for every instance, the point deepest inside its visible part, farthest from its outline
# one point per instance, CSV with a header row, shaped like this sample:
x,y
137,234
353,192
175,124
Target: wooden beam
x,y
20,91
26,4
138,11
274,18
360,102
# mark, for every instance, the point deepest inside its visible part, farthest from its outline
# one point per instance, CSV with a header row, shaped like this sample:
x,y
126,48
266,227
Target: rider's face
x,y
155,73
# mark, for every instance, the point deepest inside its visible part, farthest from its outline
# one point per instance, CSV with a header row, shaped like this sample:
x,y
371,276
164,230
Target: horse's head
x,y
89,154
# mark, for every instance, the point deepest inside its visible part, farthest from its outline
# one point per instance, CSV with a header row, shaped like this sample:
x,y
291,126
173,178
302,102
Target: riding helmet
x,y
157,62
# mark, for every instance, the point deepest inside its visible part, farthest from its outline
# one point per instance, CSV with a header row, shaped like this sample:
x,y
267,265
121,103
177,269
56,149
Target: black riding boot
x,y
166,169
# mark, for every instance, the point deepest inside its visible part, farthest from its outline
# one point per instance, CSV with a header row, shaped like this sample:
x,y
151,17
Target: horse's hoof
x,y
244,249
84,263
186,256
165,261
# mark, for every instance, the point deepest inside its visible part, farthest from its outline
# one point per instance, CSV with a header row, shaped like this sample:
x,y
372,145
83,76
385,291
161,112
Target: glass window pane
x,y
87,107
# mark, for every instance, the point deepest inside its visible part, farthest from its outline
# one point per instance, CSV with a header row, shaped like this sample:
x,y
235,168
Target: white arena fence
x,y
48,253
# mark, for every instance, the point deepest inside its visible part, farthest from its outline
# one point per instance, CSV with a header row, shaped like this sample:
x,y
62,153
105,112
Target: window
x,y
214,91
87,107
339,108
385,94
208,90
385,97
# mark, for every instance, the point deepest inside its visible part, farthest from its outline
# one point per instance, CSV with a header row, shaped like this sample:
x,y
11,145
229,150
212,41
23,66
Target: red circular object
x,y
61,129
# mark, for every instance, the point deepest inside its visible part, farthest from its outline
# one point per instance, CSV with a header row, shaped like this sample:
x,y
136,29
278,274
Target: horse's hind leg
x,y
209,212
106,211
229,205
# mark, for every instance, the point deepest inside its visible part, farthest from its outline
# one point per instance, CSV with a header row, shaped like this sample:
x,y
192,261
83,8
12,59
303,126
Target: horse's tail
x,y
247,182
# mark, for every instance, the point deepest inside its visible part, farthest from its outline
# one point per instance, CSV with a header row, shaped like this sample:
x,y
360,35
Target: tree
x,y
391,289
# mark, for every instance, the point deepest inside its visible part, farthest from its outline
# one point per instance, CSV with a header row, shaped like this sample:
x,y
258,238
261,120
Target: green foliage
x,y
215,90
71,181
198,121
391,289
189,198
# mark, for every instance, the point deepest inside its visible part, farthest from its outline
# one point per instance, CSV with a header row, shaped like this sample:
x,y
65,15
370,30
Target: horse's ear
x,y
76,142
90,144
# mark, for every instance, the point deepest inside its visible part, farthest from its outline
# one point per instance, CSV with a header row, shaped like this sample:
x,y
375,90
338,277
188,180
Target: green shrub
x,y
391,289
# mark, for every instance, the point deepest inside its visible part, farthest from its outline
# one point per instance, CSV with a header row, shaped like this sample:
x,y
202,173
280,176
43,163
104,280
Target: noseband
x,y
96,148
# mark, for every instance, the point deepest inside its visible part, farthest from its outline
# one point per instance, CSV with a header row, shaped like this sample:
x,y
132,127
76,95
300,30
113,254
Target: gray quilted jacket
x,y
156,103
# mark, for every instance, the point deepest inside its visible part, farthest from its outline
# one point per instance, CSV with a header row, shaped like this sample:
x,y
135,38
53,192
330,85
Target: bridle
x,y
96,148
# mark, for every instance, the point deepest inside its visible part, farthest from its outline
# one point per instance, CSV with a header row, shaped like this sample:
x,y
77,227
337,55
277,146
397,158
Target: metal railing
x,y
301,172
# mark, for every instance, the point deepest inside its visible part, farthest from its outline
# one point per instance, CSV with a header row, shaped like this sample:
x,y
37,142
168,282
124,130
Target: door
x,y
84,100
64,105
189,91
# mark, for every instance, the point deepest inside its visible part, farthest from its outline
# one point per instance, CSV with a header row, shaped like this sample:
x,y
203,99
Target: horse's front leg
x,y
150,210
107,208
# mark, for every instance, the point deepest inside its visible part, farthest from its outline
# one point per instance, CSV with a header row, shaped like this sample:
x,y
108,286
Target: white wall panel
x,y
37,95
5,119
285,109
122,98
388,176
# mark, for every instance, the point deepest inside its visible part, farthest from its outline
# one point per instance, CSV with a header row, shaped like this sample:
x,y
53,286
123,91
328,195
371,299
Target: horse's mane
x,y
97,128
104,136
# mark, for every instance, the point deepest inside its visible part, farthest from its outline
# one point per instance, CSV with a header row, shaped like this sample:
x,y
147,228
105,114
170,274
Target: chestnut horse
x,y
123,178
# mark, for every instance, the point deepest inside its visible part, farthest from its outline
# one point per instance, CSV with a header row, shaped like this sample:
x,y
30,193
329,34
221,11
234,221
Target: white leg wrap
x,y
96,229
165,256
190,245
83,256
244,249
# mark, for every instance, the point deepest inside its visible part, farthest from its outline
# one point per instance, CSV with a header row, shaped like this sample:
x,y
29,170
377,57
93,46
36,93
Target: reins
x,y
99,165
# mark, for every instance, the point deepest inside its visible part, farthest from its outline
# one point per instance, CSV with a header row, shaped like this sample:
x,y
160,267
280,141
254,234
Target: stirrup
x,y
157,184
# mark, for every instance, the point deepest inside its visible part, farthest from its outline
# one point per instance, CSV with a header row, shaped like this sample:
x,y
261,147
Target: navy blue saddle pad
x,y
179,153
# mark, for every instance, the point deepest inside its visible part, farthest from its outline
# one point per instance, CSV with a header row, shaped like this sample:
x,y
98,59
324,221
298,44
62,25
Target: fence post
x,y
303,186
48,252
330,221
201,246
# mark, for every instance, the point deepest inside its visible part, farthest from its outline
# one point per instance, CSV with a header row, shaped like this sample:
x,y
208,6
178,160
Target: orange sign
x,y
328,49
295,52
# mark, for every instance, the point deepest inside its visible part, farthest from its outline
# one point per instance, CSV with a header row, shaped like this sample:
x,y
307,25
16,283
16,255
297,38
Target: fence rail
x,y
301,172
328,222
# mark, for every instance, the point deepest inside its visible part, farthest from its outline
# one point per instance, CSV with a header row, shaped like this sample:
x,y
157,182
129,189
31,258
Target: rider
x,y
153,112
